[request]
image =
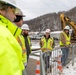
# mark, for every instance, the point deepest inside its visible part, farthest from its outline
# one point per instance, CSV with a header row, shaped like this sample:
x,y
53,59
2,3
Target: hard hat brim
x,y
10,3
25,29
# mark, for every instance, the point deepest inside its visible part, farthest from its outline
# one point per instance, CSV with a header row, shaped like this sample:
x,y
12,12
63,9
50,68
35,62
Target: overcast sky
x,y
35,8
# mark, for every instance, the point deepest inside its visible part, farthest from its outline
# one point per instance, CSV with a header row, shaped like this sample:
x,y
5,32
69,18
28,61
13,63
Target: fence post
x,y
73,49
42,66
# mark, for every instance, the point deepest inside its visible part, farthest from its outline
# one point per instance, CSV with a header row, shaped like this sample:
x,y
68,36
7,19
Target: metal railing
x,y
73,53
53,57
53,69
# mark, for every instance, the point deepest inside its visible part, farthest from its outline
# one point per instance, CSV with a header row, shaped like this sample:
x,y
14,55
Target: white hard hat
x,y
19,12
47,31
67,27
25,27
11,2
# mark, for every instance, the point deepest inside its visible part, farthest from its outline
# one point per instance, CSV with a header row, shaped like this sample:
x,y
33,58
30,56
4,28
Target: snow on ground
x,y
71,70
35,45
34,57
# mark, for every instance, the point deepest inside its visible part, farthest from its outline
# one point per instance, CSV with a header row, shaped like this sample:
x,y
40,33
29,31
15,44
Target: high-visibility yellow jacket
x,y
21,41
10,50
66,39
46,45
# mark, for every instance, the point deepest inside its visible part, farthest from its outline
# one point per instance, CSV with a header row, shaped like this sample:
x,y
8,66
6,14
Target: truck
x,y
67,21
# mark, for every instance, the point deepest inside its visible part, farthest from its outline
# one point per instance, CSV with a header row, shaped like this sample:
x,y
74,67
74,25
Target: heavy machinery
x,y
67,21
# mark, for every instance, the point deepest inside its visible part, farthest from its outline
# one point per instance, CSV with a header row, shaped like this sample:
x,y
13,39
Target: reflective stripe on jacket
x,y
67,39
10,50
47,44
21,41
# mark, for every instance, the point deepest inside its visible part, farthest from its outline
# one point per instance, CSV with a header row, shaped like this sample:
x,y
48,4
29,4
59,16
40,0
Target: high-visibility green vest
x,y
21,41
10,50
47,44
67,39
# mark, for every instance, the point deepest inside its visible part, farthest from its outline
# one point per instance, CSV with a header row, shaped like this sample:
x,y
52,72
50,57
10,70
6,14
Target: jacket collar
x,y
10,25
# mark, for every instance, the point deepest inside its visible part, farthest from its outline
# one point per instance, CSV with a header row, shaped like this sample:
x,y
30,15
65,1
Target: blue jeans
x,y
46,59
65,53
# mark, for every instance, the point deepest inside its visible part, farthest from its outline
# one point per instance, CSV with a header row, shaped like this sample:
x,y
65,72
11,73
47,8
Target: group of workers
x,y
15,45
47,44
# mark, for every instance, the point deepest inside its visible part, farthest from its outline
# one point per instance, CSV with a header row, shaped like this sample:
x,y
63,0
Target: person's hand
x,y
70,50
67,46
46,49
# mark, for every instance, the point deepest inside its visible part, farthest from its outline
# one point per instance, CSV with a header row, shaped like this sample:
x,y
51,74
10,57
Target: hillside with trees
x,y
51,20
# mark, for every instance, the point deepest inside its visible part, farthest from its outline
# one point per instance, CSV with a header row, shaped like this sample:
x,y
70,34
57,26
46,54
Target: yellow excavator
x,y
67,21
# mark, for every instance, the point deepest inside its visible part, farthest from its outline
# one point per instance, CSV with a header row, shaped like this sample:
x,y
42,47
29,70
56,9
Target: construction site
x,y
37,37
36,64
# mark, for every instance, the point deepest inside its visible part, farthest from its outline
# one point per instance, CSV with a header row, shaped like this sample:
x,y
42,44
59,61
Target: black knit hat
x,y
18,18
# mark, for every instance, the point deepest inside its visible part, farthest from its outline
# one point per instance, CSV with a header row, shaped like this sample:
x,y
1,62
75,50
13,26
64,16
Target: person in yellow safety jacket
x,y
25,31
19,21
65,44
10,50
21,41
46,44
